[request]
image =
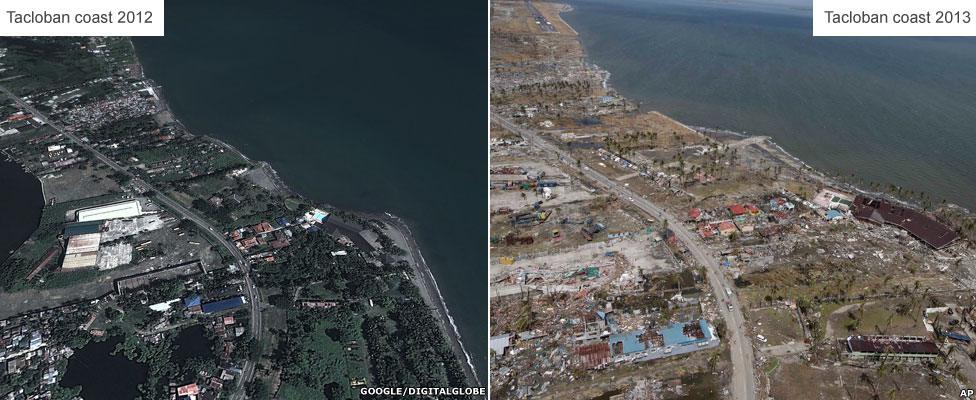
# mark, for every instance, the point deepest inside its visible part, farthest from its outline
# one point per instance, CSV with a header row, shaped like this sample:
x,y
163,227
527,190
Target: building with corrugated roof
x,y
919,225
223,305
902,348
122,209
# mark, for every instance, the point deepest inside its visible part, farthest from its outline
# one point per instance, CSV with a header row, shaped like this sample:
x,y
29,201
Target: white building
x,y
125,209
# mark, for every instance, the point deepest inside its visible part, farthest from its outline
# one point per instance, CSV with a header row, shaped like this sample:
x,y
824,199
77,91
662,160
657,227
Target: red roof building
x,y
726,228
737,209
247,243
694,214
188,390
263,227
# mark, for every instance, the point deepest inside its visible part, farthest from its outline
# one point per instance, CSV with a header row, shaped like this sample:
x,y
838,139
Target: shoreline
x,y
424,278
13,250
784,155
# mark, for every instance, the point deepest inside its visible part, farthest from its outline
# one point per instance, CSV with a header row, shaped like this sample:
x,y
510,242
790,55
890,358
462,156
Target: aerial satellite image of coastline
x,y
515,199
270,201
701,200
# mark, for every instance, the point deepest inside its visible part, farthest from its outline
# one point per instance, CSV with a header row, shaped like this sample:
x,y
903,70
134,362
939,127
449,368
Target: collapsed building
x,y
644,344
895,348
919,225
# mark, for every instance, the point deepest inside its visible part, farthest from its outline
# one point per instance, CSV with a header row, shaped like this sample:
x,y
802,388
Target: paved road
x,y
743,376
176,207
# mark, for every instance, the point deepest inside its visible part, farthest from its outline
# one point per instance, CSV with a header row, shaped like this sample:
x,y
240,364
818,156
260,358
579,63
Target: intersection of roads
x,y
253,295
743,376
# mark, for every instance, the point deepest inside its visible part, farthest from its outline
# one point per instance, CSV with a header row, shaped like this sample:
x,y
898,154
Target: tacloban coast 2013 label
x,y
81,18
894,18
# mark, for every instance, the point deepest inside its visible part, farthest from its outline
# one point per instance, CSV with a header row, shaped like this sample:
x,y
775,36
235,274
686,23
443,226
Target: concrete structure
x,y
112,256
893,348
833,199
316,215
628,342
677,338
124,209
499,344
142,279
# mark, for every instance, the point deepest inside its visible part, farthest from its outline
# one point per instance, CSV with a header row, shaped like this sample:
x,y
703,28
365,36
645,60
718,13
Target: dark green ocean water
x,y
372,106
890,110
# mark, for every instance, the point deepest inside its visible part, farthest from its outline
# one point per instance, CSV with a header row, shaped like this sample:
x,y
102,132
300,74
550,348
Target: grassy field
x,y
880,317
38,64
778,325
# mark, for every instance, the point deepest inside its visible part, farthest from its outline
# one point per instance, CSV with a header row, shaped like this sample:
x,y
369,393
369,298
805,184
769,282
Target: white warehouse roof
x,y
125,209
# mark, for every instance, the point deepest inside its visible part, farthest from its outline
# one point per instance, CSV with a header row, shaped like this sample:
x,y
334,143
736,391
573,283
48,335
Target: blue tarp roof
x,y
674,334
958,336
832,214
705,329
223,305
630,340
192,301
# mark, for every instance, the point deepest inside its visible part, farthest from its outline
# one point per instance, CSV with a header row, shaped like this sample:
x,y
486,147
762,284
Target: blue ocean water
x,y
370,106
896,111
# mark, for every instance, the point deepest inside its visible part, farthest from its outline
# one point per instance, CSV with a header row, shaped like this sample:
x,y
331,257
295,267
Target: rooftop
x,y
923,227
891,344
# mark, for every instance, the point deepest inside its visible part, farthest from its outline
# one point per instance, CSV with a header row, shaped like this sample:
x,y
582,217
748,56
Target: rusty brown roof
x,y
919,225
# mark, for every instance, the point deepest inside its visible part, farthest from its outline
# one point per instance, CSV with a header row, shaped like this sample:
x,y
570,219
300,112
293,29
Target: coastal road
x,y
743,375
177,208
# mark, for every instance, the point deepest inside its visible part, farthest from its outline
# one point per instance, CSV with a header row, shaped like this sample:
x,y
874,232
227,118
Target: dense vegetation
x,y
320,352
41,64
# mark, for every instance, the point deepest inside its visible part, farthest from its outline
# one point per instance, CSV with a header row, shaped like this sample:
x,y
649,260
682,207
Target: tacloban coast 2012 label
x,y
81,18
894,18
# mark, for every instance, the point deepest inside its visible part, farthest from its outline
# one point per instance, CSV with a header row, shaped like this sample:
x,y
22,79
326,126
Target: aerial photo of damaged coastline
x,y
633,256
148,261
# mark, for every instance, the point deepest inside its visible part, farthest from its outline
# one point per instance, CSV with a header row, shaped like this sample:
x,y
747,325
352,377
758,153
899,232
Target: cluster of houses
x,y
26,345
520,178
735,218
261,234
263,238
208,391
17,122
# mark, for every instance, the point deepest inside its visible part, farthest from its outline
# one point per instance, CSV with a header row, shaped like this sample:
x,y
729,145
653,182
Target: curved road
x,y
743,376
177,208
